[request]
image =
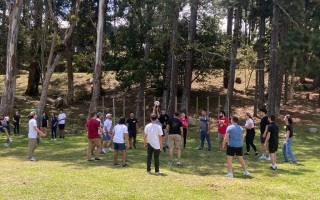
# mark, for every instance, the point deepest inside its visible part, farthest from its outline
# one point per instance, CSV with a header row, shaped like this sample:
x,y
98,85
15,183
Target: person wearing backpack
x,y
204,129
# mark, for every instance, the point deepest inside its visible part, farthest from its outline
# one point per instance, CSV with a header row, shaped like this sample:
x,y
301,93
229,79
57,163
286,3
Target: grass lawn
x,y
62,172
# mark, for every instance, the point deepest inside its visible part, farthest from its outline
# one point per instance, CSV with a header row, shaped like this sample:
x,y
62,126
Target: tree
x,y
7,101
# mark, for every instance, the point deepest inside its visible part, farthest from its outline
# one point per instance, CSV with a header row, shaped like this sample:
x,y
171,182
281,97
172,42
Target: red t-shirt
x,y
222,128
184,122
93,128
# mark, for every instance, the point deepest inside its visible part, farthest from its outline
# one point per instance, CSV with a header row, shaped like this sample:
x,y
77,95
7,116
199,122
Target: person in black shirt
x,y
263,130
286,148
132,124
16,123
175,131
163,119
44,123
272,140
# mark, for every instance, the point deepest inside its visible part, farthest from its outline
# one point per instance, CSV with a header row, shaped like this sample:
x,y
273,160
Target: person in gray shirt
x,y
204,129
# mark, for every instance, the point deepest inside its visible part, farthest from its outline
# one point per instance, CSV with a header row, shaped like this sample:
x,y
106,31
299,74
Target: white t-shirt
x,y
107,125
62,118
119,131
153,131
99,120
248,122
32,132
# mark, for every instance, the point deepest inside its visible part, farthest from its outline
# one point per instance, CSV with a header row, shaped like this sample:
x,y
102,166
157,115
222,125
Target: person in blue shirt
x,y
234,138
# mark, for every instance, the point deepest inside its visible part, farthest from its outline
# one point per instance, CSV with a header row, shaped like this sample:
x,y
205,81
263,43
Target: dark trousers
x,y
249,140
156,153
16,129
54,132
184,137
205,135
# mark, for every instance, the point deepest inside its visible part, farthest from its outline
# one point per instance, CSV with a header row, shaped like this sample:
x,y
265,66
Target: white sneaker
x,y
110,150
158,173
6,145
230,175
10,140
170,163
103,150
54,139
246,173
269,158
263,157
178,163
32,159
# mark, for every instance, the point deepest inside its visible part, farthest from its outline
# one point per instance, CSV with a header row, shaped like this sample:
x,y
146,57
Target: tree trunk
x,y
33,79
286,88
96,92
274,66
8,96
292,78
3,35
226,70
69,55
174,64
233,56
189,56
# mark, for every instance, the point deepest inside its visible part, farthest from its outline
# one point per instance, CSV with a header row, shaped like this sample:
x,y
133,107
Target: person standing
x,y
54,124
272,140
185,122
132,124
234,137
108,129
16,123
120,139
44,123
287,144
94,139
264,123
249,126
62,123
174,128
100,120
153,143
3,129
204,129
33,135
163,119
222,123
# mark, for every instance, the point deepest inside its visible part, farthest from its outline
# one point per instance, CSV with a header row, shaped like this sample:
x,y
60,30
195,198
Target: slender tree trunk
x,y
292,78
190,52
233,56
286,88
96,92
69,55
8,96
3,35
226,70
274,66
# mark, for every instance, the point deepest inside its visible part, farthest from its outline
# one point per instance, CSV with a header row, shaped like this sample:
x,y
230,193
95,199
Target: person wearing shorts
x,y
108,129
234,137
61,123
132,124
222,123
120,139
272,140
94,140
175,130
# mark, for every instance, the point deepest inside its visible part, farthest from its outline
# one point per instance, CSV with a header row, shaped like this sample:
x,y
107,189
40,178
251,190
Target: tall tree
x,y
96,91
226,69
7,101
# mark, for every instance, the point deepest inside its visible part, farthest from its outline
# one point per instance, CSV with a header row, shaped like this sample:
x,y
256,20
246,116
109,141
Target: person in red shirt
x,y
185,121
222,123
94,139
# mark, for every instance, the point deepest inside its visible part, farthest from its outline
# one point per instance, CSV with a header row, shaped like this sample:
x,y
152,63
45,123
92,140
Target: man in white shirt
x,y
120,139
62,122
153,143
33,135
108,129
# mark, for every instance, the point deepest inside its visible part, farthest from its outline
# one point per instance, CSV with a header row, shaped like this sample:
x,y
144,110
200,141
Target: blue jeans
x,y
286,149
205,135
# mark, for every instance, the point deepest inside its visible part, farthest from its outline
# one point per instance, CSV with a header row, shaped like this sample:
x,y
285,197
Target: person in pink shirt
x,y
222,123
185,121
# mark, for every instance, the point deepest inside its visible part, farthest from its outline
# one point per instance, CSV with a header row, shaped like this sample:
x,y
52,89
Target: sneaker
x,y
149,172
116,164
269,158
246,173
97,159
273,168
102,153
294,163
32,159
125,165
110,150
10,139
263,157
178,163
158,173
6,145
103,150
200,148
89,160
230,175
134,146
256,154
247,153
170,163
54,139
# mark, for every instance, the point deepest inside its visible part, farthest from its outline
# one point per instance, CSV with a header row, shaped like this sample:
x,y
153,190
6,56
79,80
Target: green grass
x,y
62,172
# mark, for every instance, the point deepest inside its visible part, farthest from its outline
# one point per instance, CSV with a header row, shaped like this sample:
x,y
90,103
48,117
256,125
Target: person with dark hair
x,y
153,143
3,129
16,123
132,124
264,123
62,123
234,137
174,128
120,139
272,140
286,148
44,123
100,120
94,140
54,124
204,129
185,122
222,123
163,119
249,126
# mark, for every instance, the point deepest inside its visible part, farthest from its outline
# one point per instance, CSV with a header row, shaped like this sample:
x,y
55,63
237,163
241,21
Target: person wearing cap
x,y
100,120
153,143
94,140
33,134
107,127
120,139
264,123
287,143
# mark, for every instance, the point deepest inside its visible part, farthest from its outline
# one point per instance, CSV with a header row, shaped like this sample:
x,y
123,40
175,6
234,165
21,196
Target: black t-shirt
x,y
289,128
16,118
174,126
263,124
132,124
274,133
163,119
44,122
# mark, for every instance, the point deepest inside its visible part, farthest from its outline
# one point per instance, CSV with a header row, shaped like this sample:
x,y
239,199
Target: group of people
x,y
5,127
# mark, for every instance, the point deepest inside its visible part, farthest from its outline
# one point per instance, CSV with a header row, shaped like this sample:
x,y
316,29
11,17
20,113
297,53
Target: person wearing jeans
x,y
249,126
286,148
204,129
54,124
153,142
